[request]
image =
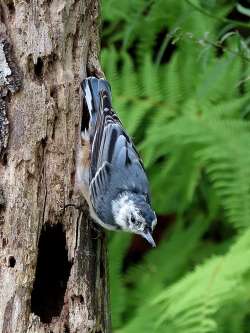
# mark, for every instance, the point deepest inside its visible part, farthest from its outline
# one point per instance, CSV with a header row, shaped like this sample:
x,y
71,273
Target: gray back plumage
x,y
115,164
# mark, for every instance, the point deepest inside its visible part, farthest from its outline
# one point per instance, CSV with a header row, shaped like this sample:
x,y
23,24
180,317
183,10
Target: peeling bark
x,y
10,82
53,275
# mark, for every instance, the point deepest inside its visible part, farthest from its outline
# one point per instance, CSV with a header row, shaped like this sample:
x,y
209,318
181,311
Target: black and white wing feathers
x,y
115,164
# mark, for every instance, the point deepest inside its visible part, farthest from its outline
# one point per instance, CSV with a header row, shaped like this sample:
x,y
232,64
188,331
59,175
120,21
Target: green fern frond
x,y
192,302
224,156
166,264
188,112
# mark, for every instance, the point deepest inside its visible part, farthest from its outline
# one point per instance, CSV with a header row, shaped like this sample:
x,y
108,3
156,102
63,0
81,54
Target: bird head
x,y
132,213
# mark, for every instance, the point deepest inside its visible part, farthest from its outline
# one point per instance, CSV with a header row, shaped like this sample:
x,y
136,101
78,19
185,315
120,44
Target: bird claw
x,y
97,229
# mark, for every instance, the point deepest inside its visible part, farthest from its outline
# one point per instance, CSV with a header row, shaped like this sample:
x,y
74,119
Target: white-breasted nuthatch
x,y
110,173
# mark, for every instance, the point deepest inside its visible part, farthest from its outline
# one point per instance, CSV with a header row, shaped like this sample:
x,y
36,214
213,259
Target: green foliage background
x,y
180,77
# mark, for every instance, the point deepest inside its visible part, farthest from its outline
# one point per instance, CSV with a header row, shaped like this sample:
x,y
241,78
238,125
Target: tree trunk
x,y
52,262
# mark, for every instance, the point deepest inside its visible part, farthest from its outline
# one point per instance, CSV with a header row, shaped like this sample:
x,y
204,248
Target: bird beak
x,y
147,235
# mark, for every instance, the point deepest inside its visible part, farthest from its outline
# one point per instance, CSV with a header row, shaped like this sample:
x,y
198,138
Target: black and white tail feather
x,y
110,173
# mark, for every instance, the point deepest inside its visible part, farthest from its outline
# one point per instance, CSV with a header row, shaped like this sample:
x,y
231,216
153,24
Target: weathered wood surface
x,y
52,263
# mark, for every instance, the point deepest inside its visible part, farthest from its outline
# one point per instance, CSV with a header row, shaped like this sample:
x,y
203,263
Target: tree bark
x,y
53,275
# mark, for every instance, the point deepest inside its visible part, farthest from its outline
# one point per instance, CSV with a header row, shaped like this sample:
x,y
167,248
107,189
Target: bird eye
x,y
132,219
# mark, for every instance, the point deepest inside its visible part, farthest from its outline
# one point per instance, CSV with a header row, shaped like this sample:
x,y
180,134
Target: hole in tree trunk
x,y
4,159
66,329
12,261
11,7
52,273
38,68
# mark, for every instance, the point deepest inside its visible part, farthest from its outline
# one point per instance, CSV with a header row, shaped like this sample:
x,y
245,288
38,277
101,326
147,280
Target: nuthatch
x,y
110,173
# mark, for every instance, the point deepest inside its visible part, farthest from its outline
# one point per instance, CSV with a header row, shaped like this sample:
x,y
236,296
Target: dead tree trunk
x,y
52,263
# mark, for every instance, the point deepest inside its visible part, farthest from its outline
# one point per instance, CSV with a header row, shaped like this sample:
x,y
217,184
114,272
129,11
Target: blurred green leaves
x,y
180,77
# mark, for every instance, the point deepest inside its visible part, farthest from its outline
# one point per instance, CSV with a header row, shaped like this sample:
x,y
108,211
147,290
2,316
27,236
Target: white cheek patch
x,y
122,209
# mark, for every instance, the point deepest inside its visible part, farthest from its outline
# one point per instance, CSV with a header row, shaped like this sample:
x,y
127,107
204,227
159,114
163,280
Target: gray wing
x,y
115,163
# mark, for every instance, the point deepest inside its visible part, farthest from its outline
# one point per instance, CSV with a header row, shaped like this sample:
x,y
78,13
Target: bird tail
x,y
97,94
